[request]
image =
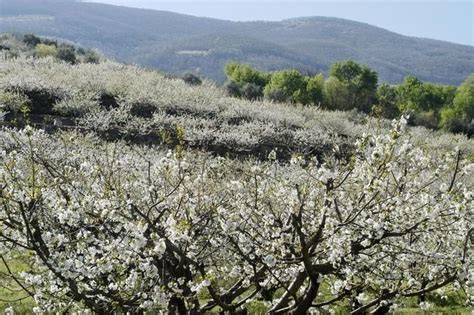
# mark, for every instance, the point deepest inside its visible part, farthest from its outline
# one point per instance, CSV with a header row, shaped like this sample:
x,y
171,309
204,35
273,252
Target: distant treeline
x,y
352,86
32,45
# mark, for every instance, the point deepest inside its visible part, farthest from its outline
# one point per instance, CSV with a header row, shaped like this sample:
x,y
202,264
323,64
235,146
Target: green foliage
x,y
291,83
345,71
459,117
439,96
315,89
352,86
43,50
336,95
418,96
67,53
431,105
359,81
387,100
464,99
281,86
243,74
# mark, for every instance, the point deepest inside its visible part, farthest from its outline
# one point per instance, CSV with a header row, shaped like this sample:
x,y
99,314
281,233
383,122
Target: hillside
x,y
180,43
117,183
117,101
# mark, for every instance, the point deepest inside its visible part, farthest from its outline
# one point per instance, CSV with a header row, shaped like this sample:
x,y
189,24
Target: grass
x,y
435,310
11,294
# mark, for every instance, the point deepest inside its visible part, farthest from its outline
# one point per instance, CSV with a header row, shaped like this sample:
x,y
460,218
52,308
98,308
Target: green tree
x,y
411,94
424,101
459,117
337,95
418,96
291,83
438,96
315,89
387,101
359,81
243,74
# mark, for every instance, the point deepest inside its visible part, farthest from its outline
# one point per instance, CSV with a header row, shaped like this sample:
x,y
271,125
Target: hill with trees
x,y
179,43
123,190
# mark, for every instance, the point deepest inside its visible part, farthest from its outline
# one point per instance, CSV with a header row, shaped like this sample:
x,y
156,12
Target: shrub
x,y
276,95
456,122
91,57
12,101
67,54
41,101
232,89
251,91
192,79
143,109
31,40
426,119
43,50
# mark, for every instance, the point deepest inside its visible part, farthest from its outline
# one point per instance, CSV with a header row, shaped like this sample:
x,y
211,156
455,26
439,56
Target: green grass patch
x,y
11,294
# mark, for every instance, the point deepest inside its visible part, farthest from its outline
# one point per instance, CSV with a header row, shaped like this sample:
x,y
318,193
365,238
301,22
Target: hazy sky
x,y
445,20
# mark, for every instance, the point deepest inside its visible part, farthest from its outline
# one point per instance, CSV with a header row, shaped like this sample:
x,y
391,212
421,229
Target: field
x,y
124,190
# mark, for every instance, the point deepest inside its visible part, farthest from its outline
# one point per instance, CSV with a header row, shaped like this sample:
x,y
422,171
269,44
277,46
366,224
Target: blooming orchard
x,y
113,227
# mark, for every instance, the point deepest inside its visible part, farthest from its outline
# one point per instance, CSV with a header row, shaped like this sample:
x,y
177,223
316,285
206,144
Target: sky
x,y
447,20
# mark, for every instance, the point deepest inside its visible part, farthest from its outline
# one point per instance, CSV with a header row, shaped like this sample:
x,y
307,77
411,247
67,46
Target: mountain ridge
x,y
155,38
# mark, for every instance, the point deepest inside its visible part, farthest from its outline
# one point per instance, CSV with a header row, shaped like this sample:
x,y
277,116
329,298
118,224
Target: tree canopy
x,y
352,86
359,81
